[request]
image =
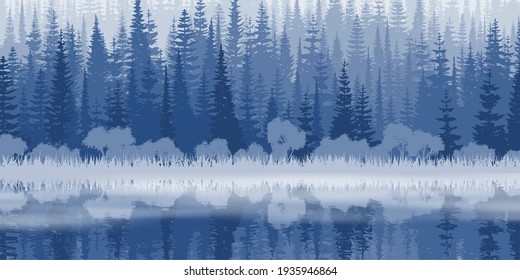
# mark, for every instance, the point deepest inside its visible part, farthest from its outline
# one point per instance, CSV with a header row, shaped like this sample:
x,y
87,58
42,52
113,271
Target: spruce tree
x,y
363,118
448,136
34,39
513,117
305,121
379,114
224,123
408,111
116,108
344,114
317,129
186,46
97,67
84,112
183,118
39,108
357,48
8,107
488,131
60,113
233,40
271,112
51,41
166,108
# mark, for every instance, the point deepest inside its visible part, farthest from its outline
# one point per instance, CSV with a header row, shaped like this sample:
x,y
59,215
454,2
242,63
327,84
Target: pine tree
x,y
419,21
74,48
447,128
22,34
344,114
233,40
305,120
489,132
120,63
428,95
116,108
398,20
60,113
312,55
263,54
408,111
166,109
8,107
513,118
151,36
271,112
186,46
379,13
285,60
379,115
363,118
357,48
34,39
38,108
496,62
470,87
379,60
85,120
389,82
334,21
97,68
9,37
139,55
49,53
317,129
224,123
183,118
249,123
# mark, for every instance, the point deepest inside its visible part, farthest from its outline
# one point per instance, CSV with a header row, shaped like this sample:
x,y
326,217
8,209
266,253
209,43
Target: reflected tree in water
x,y
223,223
489,216
448,224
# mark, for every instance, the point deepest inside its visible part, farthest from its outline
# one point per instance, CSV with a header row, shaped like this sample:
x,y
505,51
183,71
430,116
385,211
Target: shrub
x,y
284,138
342,147
216,150
114,143
475,152
10,146
45,151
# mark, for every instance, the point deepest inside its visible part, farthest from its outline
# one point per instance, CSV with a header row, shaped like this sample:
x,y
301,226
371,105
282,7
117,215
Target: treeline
x,y
318,71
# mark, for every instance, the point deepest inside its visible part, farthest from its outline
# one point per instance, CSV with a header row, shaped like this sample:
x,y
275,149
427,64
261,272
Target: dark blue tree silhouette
x,y
97,68
166,108
60,113
448,136
317,129
248,121
513,117
233,38
183,118
116,115
224,122
85,121
186,46
488,131
344,113
38,109
363,118
8,108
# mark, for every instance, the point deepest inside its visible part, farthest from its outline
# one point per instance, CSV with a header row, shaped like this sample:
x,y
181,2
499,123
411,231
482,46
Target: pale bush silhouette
x,y
163,149
401,141
284,138
254,152
11,146
342,147
216,150
114,143
45,151
473,152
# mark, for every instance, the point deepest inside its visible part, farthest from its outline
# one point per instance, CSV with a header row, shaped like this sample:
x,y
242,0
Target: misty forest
x,y
430,79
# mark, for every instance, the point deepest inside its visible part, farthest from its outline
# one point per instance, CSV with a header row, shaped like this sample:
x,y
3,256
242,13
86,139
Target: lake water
x,y
201,220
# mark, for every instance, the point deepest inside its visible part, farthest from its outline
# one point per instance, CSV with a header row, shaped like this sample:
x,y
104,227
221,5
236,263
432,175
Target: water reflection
x,y
89,221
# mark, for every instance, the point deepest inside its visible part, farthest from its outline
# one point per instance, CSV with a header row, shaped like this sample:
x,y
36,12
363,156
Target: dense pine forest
x,y
419,72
